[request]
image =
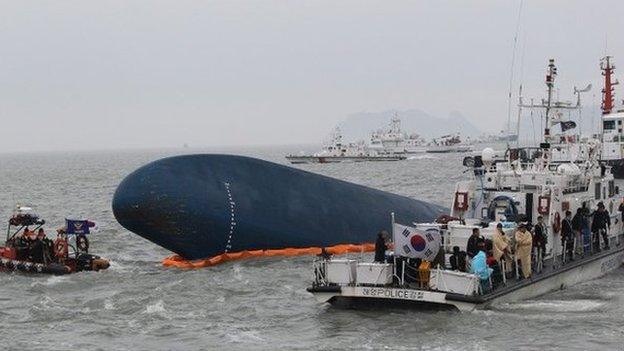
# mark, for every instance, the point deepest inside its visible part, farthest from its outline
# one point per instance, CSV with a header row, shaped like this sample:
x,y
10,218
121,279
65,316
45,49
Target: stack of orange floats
x,y
179,262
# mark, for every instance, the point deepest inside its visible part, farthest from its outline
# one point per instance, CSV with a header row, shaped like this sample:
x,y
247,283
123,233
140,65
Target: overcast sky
x,y
123,74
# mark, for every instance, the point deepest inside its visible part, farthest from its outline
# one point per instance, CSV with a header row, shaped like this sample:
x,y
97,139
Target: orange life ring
x,y
60,248
557,223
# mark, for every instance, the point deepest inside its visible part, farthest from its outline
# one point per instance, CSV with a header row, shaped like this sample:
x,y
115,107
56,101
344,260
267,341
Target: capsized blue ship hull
x,y
200,206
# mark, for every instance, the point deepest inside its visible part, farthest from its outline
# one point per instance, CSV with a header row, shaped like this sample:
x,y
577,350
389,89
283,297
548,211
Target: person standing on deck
x,y
577,223
381,246
524,244
567,236
540,239
501,247
601,223
472,248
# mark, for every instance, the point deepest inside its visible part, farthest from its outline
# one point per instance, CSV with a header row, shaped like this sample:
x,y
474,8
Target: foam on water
x,y
157,307
422,157
556,306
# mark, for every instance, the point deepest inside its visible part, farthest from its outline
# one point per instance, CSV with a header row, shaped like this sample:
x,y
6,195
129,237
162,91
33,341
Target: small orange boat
x,y
31,251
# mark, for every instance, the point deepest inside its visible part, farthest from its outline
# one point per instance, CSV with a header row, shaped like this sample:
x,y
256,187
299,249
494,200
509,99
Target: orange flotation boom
x,y
179,262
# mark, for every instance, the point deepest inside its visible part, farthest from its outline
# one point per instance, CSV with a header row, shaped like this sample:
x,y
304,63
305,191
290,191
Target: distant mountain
x,y
358,126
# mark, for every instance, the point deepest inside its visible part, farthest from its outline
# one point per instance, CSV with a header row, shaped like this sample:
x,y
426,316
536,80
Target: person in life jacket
x,y
61,248
524,244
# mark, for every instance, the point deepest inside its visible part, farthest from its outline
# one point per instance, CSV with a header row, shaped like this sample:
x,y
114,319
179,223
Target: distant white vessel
x,y
448,143
336,151
394,140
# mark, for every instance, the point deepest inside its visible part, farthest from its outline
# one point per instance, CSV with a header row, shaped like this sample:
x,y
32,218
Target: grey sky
x,y
117,74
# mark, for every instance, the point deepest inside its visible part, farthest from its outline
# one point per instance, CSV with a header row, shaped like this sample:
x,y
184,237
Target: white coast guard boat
x,y
392,140
524,184
335,150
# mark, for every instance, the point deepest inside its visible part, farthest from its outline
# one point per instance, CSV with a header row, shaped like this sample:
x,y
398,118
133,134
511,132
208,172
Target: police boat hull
x,y
367,296
202,206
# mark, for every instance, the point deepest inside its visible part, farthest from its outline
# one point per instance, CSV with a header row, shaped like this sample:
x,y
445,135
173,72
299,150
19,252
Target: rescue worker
x,y
540,238
567,236
501,248
472,248
524,244
61,248
37,250
381,246
600,225
48,246
621,209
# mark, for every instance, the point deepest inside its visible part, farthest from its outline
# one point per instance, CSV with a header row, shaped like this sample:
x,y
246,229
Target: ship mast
x,y
550,83
607,92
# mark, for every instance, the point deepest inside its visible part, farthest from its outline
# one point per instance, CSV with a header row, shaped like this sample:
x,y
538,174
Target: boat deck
x,y
549,270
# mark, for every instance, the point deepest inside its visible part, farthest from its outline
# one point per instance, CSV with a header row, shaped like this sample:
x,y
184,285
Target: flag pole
x,y
392,216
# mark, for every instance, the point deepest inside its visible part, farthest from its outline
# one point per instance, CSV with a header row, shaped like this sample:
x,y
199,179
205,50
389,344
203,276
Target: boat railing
x,y
507,273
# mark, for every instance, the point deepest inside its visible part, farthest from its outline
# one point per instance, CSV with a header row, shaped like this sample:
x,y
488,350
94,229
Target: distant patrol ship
x,y
337,151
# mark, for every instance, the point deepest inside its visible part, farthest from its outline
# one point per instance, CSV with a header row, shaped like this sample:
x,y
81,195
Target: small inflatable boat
x,y
31,251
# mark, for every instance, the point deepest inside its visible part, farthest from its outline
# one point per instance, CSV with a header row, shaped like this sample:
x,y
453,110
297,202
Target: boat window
x,y
597,191
608,125
619,122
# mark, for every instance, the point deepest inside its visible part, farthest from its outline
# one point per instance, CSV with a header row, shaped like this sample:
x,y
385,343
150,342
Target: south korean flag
x,y
414,243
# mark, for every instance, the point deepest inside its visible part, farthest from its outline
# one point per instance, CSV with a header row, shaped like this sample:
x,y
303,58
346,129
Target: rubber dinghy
x,y
213,208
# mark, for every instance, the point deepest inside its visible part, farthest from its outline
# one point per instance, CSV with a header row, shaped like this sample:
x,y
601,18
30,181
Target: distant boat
x,y
449,143
507,136
336,151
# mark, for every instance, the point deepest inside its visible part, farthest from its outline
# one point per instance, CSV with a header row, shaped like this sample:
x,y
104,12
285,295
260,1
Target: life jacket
x,y
61,248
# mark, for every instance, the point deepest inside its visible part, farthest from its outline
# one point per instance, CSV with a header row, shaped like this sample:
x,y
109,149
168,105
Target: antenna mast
x,y
550,83
607,92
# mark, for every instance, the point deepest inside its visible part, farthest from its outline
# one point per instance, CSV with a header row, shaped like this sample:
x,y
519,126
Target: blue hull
x,y
200,206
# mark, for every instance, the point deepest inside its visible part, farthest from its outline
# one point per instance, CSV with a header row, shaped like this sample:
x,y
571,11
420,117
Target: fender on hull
x,y
202,206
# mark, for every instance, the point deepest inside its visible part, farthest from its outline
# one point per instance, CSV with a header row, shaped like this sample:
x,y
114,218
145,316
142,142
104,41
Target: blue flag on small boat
x,y
75,226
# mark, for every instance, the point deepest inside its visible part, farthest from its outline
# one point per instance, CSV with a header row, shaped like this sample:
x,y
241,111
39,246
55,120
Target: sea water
x,y
138,304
